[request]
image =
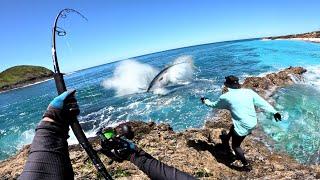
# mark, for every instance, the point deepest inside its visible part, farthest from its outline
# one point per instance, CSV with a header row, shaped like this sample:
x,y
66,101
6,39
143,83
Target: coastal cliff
x,y
198,152
310,36
19,76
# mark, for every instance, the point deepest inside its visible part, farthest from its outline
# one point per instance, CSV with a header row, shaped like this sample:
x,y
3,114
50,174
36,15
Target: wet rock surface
x,y
198,152
266,85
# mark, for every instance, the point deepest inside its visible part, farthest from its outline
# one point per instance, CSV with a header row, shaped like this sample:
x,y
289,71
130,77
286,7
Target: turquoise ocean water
x,y
113,92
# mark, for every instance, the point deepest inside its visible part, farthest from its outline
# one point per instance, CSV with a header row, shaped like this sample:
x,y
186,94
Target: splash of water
x,y
183,71
298,133
312,76
132,77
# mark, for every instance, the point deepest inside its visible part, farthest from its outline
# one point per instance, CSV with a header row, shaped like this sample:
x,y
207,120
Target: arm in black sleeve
x,y
49,156
155,169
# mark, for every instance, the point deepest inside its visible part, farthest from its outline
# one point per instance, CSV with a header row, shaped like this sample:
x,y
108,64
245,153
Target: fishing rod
x,y
61,87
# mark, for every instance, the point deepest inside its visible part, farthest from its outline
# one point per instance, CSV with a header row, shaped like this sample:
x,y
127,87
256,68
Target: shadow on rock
x,y
221,152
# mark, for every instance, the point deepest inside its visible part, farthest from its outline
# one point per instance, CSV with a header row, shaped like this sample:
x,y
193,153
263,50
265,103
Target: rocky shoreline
x,y
196,151
310,36
25,83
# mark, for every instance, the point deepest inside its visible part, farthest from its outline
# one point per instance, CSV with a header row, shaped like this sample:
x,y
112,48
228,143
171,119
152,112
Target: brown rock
x,y
268,84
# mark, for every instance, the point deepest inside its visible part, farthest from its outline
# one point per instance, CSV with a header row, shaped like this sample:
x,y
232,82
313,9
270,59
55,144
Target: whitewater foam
x,y
26,138
183,71
132,77
312,77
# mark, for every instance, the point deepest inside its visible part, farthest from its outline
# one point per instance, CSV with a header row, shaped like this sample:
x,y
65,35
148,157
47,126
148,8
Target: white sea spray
x,y
131,76
312,76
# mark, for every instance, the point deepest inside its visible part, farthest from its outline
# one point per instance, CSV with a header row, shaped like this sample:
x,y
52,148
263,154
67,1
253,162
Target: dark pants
x,y
236,142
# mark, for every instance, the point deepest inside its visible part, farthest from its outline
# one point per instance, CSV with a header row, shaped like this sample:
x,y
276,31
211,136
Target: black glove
x,y
63,109
277,116
202,99
118,149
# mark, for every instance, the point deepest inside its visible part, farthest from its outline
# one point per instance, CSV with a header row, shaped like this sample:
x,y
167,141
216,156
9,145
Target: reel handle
x,y
127,132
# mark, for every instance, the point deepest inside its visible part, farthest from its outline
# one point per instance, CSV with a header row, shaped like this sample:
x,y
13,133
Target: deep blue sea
x,y
115,92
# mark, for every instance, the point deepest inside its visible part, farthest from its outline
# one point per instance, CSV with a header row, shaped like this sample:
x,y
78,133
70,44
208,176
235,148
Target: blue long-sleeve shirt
x,y
241,103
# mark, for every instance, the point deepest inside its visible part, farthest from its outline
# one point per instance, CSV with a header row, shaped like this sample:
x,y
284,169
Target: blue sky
x,y
120,29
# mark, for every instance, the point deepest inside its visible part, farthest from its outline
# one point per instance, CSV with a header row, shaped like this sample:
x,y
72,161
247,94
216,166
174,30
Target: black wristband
x,y
61,131
57,115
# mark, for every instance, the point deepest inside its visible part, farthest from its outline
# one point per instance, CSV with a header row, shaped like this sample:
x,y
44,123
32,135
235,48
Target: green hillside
x,y
18,76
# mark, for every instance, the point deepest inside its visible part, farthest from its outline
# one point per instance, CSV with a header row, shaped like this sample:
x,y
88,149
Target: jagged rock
x,y
12,167
192,151
220,119
266,85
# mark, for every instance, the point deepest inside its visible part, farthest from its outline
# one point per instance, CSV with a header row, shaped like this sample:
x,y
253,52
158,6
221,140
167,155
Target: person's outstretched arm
x,y
262,103
155,169
220,103
49,155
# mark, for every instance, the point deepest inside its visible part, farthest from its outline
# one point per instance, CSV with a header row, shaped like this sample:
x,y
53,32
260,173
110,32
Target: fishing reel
x,y
116,146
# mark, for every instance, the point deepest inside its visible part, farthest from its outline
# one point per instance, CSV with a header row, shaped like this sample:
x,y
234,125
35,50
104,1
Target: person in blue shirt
x,y
241,104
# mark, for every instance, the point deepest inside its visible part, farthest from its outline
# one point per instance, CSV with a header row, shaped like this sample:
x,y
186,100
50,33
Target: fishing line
x,y
61,87
86,89
67,26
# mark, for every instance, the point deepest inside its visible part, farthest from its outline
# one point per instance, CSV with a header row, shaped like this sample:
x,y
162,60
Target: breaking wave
x,y
298,132
312,77
132,77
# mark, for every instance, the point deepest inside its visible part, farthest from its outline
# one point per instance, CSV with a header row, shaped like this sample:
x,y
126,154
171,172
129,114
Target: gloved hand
x,y
129,147
118,149
63,108
203,99
277,116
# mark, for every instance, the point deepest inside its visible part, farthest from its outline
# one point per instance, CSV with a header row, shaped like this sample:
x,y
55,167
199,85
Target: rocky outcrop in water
x,y
196,151
266,85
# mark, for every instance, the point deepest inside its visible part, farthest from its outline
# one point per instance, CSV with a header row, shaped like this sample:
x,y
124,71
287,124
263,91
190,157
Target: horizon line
x,y
161,51
189,46
134,57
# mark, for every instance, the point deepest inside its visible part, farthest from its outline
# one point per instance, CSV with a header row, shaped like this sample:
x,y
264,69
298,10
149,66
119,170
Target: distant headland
x,y
20,76
310,36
